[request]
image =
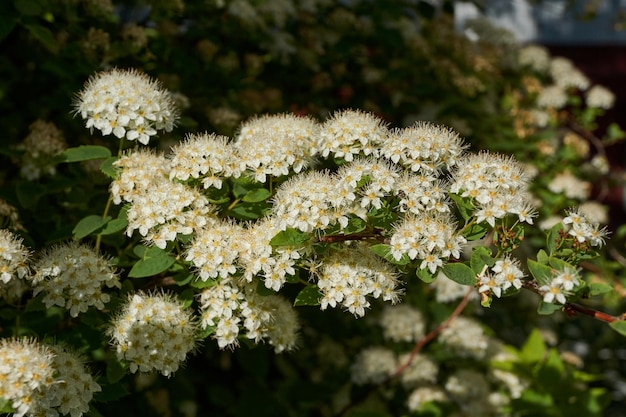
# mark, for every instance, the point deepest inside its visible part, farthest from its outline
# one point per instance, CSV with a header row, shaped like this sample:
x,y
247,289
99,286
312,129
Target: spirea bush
x,y
262,227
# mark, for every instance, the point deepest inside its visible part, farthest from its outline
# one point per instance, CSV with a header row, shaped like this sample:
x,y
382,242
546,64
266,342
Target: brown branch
x,y
374,234
434,333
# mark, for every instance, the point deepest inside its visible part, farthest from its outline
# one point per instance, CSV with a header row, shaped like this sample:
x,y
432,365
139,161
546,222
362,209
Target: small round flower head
x,y
419,193
422,369
138,171
349,133
126,103
506,273
534,56
13,265
468,387
73,388
430,237
466,338
594,212
423,147
42,144
351,274
583,230
565,74
402,323
373,365
25,368
303,202
599,97
497,185
363,183
552,96
426,394
274,145
153,332
282,327
215,249
221,306
205,157
73,276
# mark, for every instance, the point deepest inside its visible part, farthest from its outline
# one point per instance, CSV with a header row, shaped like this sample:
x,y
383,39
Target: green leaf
x,y
466,208
29,193
545,309
534,349
85,153
551,371
382,250
154,262
619,326
5,406
355,225
560,264
43,35
114,226
309,296
89,225
115,370
481,256
554,238
425,275
542,257
290,237
108,168
256,195
475,231
29,7
541,273
597,288
460,273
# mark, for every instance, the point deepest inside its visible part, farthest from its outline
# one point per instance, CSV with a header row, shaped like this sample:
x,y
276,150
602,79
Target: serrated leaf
x,y
289,237
88,225
481,256
597,288
425,275
256,195
382,250
541,273
85,153
154,262
460,273
108,168
545,309
619,326
309,296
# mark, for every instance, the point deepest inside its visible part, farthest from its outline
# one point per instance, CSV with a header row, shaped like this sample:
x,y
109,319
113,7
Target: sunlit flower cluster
x,y
584,230
563,283
535,56
127,104
153,332
13,265
565,74
497,184
352,274
505,274
73,276
599,97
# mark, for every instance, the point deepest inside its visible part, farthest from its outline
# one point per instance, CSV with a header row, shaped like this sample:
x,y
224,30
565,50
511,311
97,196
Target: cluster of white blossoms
x,y
25,368
505,274
535,56
599,97
44,141
565,74
73,276
423,147
126,103
153,332
160,209
563,283
430,237
570,185
421,370
584,230
72,390
402,323
465,337
231,308
13,265
470,390
373,365
552,96
276,145
353,273
497,185
425,394
350,133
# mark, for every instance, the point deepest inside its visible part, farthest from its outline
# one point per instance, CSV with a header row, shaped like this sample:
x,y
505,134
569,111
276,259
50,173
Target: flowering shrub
x,y
353,251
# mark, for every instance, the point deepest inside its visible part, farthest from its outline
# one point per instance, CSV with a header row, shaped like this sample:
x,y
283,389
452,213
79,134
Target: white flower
x,y
402,323
466,338
600,97
373,365
126,103
570,185
13,265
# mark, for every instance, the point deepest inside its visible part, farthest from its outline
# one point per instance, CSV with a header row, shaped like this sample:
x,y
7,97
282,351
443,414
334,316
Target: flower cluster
x,y
126,103
465,337
373,365
505,274
497,185
73,276
43,142
402,323
229,307
153,332
562,284
353,273
13,265
25,368
583,230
